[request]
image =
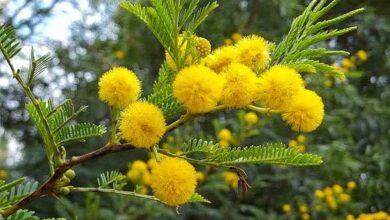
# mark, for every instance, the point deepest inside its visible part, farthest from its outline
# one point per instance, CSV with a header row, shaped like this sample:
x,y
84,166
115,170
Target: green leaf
x,y
23,214
196,198
78,132
265,154
113,179
37,66
201,15
15,191
9,43
199,146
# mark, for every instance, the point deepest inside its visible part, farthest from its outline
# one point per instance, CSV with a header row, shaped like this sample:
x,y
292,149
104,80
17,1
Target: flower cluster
x,y
334,196
381,215
229,76
224,136
298,143
139,174
302,209
231,179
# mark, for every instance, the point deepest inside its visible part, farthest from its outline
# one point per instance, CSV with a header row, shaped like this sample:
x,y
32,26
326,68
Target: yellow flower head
x,y
221,58
362,55
173,181
225,134
301,139
3,174
278,85
292,143
224,143
198,88
305,111
319,194
305,216
203,46
330,200
236,37
351,185
328,83
347,63
254,51
350,217
119,87
139,165
200,177
120,54
344,197
152,163
251,118
134,175
286,208
337,188
328,191
142,124
231,178
240,86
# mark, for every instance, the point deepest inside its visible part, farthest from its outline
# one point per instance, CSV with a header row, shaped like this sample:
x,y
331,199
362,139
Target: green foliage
x,y
199,146
112,180
265,154
305,31
197,198
13,192
162,94
37,66
22,214
9,43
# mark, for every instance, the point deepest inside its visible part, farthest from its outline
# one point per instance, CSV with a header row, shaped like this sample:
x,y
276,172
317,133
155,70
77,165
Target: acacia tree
x,y
194,81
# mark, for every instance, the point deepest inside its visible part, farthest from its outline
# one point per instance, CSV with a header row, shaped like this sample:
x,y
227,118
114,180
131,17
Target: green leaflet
x,y
195,198
113,179
295,50
9,43
264,154
11,193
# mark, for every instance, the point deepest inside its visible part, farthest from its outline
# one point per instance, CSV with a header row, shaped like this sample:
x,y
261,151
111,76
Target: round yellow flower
x,y
303,208
152,163
3,174
134,175
203,46
351,185
198,88
221,58
120,55
319,194
225,134
305,216
119,87
240,86
350,217
251,118
278,85
254,51
224,143
172,185
286,208
236,37
344,197
292,143
337,188
328,83
139,165
328,191
301,139
142,124
305,111
200,177
231,178
362,55
347,63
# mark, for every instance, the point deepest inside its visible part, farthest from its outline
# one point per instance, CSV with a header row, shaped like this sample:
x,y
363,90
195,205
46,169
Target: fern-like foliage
x,y
13,192
169,18
196,198
60,129
295,50
265,154
112,179
9,43
22,214
37,66
162,94
199,146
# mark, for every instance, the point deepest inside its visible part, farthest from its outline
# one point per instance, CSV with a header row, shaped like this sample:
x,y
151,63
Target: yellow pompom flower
x,y
328,191
221,58
231,178
251,118
139,165
236,37
305,216
337,188
319,194
351,185
172,185
200,177
305,111
301,139
254,51
286,208
142,124
293,143
203,46
344,197
347,63
303,208
224,143
225,134
198,88
278,85
240,86
120,55
362,55
119,87
350,217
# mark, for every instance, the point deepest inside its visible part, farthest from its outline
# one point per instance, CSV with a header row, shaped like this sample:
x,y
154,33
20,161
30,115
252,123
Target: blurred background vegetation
x,y
91,36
